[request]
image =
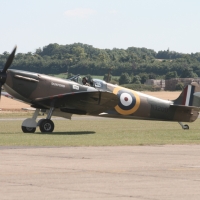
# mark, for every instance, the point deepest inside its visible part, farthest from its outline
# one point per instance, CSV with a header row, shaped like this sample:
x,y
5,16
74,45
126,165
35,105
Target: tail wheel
x,y
185,127
28,129
46,126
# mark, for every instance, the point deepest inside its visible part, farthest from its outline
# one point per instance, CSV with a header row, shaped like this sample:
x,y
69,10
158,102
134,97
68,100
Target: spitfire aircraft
x,y
65,97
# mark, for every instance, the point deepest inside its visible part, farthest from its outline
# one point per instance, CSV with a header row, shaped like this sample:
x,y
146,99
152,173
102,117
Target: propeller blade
x,y
9,60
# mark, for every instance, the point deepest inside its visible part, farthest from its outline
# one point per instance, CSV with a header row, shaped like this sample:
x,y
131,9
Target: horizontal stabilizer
x,y
197,94
185,113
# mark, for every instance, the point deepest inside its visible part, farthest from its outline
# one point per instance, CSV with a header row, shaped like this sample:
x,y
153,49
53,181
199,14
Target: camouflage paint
x,y
42,91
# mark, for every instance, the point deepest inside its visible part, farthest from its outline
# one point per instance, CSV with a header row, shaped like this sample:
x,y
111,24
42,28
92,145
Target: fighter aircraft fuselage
x,y
31,87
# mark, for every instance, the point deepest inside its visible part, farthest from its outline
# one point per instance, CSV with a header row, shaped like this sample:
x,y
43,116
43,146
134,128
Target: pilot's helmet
x,y
84,80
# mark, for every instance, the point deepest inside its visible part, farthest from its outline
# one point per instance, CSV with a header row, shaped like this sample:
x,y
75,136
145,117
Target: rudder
x,y
190,96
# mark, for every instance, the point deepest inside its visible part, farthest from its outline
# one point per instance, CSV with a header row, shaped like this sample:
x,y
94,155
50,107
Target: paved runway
x,y
144,173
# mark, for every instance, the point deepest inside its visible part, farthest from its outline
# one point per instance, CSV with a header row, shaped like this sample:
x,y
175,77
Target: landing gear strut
x,y
46,125
184,126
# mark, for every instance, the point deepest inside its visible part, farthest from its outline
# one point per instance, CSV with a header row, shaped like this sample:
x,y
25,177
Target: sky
x,y
153,24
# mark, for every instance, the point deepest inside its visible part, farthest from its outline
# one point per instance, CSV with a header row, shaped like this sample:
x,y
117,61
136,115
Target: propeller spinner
x,y
3,74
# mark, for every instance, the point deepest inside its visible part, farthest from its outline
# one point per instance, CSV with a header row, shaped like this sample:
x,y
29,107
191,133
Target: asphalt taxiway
x,y
138,172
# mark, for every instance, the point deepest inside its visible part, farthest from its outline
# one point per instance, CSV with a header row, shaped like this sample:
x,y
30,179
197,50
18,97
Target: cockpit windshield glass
x,y
99,84
77,78
96,83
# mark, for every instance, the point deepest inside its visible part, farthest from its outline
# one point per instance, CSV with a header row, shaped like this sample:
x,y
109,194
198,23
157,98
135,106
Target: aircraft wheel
x,y
46,126
28,129
186,127
39,122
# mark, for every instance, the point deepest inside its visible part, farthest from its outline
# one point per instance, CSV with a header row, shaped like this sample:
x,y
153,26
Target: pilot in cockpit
x,y
85,81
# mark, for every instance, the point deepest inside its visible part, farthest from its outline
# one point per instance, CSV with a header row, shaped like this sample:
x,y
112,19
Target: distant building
x,y
171,83
157,83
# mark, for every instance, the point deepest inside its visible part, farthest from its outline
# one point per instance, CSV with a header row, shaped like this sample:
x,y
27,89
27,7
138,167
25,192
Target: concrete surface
x,y
144,173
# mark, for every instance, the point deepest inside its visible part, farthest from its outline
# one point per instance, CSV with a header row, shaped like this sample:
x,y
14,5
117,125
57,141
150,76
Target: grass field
x,y
99,132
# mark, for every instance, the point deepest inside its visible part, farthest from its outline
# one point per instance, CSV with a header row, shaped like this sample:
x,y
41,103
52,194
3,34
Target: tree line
x,y
84,59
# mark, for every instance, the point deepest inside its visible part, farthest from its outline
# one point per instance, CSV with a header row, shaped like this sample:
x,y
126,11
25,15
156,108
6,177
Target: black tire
x,y
39,122
28,129
186,127
46,126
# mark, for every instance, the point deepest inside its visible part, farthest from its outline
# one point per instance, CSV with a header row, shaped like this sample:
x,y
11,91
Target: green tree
x,y
136,80
106,78
124,78
79,52
188,73
152,76
144,77
170,75
81,58
179,86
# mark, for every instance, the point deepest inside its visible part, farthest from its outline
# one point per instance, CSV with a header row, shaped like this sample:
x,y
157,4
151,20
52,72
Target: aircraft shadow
x,y
68,133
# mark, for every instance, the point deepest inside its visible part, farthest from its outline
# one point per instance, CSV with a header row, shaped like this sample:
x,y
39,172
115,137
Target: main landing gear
x,y
46,125
184,126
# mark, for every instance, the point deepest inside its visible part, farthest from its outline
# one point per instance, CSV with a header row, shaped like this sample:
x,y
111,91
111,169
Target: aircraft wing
x,y
93,102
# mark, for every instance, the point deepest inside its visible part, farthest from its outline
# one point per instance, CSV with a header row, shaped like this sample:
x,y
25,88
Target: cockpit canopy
x,y
96,83
77,78
99,84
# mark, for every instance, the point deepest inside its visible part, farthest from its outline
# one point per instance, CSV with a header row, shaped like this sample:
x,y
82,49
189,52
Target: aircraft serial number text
x,y
159,108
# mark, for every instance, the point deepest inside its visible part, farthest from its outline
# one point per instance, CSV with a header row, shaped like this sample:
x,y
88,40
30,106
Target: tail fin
x,y
190,96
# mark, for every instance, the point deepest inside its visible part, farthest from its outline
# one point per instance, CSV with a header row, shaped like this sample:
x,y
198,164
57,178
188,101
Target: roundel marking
x,y
129,101
125,99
